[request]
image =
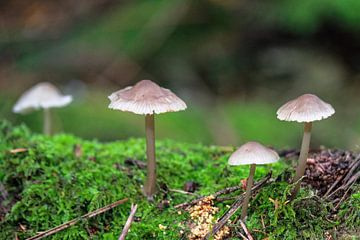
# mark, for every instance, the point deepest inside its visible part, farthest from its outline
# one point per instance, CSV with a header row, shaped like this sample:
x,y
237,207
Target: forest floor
x,y
46,181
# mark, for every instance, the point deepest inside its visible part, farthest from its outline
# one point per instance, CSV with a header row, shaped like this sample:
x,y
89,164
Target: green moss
x,y
48,185
306,216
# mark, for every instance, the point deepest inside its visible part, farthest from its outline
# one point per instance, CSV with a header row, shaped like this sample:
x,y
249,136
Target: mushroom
x,y
252,153
44,96
147,98
307,108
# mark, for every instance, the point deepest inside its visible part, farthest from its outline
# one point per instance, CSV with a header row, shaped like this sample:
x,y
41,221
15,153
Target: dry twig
x,y
248,235
234,207
128,222
183,192
222,192
76,220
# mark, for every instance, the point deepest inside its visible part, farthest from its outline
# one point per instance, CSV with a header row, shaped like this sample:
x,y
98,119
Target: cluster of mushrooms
x,y
147,98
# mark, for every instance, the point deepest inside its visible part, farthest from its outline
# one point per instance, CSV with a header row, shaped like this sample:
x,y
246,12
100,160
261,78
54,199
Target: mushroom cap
x,y
306,108
253,153
146,97
42,95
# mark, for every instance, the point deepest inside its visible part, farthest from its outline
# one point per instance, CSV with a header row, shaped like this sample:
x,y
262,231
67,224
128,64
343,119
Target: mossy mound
x,y
56,179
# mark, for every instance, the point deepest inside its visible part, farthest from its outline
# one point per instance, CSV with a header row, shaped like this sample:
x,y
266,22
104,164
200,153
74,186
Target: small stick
x,y
343,197
76,220
345,177
352,180
242,235
224,191
248,235
334,185
234,207
128,222
183,192
223,199
353,167
262,222
348,178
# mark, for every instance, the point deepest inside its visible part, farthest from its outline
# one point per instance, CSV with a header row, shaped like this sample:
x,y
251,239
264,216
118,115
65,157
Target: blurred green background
x,y
234,62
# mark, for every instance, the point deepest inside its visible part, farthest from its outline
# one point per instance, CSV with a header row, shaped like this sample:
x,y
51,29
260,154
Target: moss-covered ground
x,y
50,183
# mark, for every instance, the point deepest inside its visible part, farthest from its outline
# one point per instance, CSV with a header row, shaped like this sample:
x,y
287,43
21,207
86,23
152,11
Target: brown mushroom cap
x,y
146,97
306,108
42,95
253,153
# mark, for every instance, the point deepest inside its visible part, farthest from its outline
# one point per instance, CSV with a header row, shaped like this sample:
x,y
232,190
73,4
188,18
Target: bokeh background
x,y
233,61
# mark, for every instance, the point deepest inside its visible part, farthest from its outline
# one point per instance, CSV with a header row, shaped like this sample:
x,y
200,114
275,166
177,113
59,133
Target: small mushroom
x,y
252,153
307,108
44,96
147,98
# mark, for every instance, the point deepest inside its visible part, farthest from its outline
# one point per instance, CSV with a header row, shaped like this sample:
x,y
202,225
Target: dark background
x,y
234,62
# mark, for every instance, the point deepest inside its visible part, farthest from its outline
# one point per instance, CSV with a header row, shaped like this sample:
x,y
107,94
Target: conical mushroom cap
x,y
306,108
146,97
42,95
253,153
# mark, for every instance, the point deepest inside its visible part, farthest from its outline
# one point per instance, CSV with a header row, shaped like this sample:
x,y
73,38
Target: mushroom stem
x,y
300,170
150,184
47,121
249,184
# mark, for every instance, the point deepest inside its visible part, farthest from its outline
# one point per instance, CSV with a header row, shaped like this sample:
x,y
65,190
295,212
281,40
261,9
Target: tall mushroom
x,y
307,108
44,96
147,98
252,153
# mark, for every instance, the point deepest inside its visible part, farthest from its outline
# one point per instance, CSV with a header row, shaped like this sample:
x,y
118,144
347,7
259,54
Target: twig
x,y
248,235
223,199
242,235
128,222
262,221
222,192
345,177
334,185
74,221
353,167
343,197
234,207
183,192
352,180
349,178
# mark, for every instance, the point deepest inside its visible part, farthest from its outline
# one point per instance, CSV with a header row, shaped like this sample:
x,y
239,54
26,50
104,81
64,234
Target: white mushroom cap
x,y
42,95
146,97
253,153
306,108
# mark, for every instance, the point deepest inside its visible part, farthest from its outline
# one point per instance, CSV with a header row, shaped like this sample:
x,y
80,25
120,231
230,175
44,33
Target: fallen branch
x,y
234,207
76,220
128,222
248,235
222,192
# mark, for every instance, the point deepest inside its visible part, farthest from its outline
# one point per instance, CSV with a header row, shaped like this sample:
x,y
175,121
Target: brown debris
x,y
191,186
327,169
135,162
202,216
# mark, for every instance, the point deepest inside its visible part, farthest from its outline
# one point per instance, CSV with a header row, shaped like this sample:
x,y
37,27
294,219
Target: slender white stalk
x,y
47,121
150,184
300,170
249,184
